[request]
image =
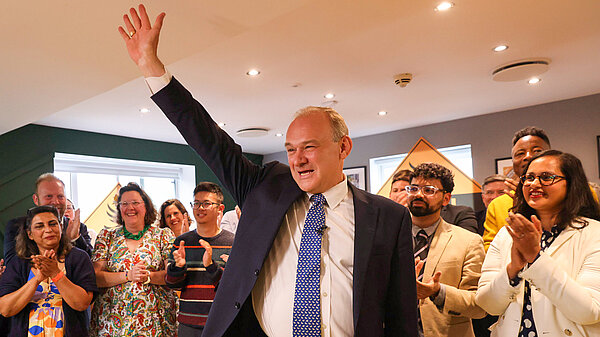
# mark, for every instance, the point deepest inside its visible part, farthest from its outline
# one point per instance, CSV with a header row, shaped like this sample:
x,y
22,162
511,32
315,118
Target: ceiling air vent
x,y
252,132
520,70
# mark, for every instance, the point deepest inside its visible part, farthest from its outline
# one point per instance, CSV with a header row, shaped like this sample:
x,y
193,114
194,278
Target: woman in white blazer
x,y
541,274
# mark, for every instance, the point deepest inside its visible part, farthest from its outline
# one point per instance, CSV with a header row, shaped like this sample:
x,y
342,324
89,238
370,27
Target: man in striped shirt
x,y
199,257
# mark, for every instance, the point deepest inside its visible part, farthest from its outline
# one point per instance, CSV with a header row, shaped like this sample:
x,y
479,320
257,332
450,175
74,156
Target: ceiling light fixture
x,y
444,6
382,113
534,80
144,110
500,48
253,72
221,124
329,95
279,134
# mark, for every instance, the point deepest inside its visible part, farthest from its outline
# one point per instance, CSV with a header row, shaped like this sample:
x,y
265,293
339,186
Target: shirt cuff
x,y
440,299
155,84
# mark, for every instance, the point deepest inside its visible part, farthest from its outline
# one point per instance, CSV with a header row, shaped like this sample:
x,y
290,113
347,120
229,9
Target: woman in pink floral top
x,y
130,263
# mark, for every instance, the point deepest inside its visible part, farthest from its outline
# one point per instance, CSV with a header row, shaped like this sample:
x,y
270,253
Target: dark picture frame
x,y
598,148
503,165
357,176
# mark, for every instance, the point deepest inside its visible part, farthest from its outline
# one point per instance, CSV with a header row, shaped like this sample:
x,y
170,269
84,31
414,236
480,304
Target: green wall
x,y
29,151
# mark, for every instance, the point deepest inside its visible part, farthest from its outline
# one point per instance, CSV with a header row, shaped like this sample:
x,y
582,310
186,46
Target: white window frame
x,y
183,175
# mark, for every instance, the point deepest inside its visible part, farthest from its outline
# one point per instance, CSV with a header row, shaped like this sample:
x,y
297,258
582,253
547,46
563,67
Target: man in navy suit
x,y
367,283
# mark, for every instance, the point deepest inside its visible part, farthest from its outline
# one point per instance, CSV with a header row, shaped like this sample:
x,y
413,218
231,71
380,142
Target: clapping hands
x,y
526,237
45,265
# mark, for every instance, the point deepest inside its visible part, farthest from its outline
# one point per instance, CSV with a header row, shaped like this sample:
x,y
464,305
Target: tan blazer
x,y
458,254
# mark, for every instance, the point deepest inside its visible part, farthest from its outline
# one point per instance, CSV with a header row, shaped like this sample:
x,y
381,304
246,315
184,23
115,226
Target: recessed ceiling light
x,y
144,110
221,124
534,80
501,47
279,134
444,6
253,72
382,113
329,95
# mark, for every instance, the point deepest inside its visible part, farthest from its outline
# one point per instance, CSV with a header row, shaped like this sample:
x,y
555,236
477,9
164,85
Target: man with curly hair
x,y
448,258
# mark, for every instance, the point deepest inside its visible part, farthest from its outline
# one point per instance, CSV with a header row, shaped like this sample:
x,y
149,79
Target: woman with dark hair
x,y
130,262
542,271
174,215
47,289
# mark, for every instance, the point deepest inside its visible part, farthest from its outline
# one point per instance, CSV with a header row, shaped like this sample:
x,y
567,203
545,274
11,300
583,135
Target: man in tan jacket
x,y
448,258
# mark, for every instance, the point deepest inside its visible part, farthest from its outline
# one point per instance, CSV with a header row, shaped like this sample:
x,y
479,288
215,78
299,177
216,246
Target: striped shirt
x,y
197,283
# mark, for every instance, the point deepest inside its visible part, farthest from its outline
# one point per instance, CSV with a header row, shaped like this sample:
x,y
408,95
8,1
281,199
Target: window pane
x,y
382,168
159,189
124,180
92,189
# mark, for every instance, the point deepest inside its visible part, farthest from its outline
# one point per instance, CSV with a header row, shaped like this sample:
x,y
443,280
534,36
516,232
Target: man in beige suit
x,y
448,258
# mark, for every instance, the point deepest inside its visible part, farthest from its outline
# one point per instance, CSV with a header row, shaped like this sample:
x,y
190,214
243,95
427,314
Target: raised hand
x,y
141,39
526,235
207,257
138,273
430,288
47,264
3,267
511,186
179,255
73,226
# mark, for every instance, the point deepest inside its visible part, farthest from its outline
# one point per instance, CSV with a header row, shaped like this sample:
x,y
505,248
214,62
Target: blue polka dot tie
x,y
307,299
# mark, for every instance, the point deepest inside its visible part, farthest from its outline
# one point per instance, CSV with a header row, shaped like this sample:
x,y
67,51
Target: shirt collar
x,y
429,230
334,195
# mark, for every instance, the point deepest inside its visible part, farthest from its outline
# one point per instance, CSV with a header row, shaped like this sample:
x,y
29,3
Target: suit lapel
x,y
562,238
365,223
440,241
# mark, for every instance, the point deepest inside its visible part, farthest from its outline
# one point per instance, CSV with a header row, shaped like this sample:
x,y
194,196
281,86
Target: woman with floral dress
x,y
130,262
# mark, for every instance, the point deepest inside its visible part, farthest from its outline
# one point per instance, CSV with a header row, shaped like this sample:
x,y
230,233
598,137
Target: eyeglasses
x,y
203,205
124,204
427,190
546,179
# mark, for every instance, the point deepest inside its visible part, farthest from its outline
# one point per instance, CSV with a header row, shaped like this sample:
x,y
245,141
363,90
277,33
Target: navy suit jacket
x,y
384,290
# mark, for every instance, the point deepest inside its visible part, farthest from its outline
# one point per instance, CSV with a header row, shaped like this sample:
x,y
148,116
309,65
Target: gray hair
x,y
339,128
493,178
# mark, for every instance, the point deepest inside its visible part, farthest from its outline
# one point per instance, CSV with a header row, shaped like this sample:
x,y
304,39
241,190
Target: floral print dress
x,y
132,308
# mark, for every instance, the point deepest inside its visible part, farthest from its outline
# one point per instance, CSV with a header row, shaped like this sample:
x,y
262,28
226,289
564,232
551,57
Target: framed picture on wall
x,y
357,176
504,165
598,147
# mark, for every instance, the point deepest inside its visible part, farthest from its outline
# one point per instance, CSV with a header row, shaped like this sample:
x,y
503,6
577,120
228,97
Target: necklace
x,y
129,235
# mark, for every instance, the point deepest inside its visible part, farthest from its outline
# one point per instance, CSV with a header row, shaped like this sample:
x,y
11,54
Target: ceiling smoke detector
x,y
252,132
402,80
521,70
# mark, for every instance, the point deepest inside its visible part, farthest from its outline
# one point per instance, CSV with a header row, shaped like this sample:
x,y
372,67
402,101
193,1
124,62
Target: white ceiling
x,y
64,64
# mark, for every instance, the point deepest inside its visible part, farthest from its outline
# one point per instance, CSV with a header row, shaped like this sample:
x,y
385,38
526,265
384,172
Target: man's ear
x,y
447,198
345,147
36,200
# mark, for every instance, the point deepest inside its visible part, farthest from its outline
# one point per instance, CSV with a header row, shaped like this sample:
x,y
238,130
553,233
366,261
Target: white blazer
x,y
565,285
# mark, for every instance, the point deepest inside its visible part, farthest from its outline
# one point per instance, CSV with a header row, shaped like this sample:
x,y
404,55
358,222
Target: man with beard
x,y
448,258
49,190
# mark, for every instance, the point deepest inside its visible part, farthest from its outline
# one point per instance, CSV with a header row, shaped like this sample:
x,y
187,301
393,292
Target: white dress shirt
x,y
273,294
